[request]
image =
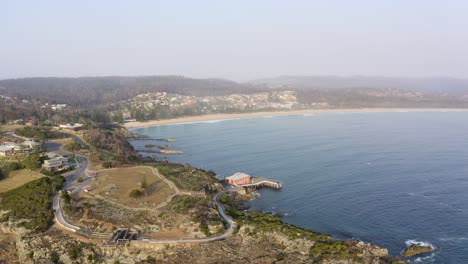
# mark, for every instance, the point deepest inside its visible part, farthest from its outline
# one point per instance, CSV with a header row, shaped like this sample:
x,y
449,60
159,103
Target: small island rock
x,y
416,249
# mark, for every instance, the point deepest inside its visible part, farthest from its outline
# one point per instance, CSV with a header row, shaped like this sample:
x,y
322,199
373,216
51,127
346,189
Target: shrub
x,y
74,146
107,164
224,198
15,166
135,193
32,162
54,257
66,197
204,228
75,251
92,258
47,173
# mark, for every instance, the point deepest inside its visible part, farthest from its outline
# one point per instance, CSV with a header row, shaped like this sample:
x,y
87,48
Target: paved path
x,y
59,216
71,184
229,231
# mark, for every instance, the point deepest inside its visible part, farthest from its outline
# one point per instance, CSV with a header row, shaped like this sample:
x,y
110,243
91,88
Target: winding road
x,y
72,185
222,213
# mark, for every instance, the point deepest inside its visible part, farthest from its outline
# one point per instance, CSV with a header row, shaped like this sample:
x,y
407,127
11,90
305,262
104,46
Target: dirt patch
x,y
10,127
171,234
115,186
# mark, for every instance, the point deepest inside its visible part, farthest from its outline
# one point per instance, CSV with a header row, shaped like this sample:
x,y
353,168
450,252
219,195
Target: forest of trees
x,y
32,201
93,99
91,91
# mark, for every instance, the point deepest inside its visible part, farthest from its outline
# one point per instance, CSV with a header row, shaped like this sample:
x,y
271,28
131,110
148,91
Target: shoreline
x,y
214,117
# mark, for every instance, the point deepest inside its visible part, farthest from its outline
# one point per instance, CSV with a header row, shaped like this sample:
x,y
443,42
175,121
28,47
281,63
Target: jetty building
x,y
252,182
239,178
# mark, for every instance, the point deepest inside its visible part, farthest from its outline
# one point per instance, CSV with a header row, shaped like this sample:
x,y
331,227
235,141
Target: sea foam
x,y
426,259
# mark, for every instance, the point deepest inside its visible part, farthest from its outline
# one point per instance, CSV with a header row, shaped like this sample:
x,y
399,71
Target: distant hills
x,y
91,91
437,85
357,91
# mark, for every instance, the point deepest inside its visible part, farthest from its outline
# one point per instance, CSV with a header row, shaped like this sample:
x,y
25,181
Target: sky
x,y
238,40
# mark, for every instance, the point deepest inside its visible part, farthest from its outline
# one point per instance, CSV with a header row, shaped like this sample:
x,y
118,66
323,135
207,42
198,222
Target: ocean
x,y
389,178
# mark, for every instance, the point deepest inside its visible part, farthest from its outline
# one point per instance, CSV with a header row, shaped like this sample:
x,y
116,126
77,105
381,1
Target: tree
x,y
135,193
54,257
144,185
15,166
66,197
32,162
107,164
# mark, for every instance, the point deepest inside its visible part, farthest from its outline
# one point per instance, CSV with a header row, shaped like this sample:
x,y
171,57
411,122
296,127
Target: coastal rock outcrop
x,y
416,249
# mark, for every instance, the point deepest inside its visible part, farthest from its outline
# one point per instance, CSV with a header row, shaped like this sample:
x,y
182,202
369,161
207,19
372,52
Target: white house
x,y
30,145
9,148
75,126
6,151
56,164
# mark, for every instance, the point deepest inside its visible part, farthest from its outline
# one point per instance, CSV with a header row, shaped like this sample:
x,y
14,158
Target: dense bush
x,y
182,204
15,166
48,173
74,146
32,161
2,174
269,223
188,177
334,249
113,141
75,251
38,134
32,201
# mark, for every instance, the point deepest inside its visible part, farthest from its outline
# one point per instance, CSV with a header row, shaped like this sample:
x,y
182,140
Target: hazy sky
x,y
236,39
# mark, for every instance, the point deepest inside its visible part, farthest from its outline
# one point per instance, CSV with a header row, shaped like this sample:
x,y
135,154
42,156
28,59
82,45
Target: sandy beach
x,y
210,117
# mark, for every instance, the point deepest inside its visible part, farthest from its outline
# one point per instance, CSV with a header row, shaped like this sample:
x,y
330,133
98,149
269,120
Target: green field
x,y
17,178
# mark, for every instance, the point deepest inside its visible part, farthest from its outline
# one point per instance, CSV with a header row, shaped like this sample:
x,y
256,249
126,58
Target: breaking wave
x,y
425,259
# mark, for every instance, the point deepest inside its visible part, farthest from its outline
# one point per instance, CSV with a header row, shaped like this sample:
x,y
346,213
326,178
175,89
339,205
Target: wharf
x,y
259,182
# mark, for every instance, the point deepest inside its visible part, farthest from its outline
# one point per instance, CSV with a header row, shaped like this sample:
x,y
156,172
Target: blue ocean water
x,y
386,178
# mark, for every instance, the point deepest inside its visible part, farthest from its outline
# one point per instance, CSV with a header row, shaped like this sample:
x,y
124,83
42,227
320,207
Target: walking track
x,y
81,172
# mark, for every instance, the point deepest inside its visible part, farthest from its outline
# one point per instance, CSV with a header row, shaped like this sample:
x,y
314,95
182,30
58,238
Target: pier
x,y
259,182
252,182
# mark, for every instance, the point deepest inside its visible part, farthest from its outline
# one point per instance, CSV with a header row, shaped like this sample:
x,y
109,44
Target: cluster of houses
x,y
56,163
281,100
55,107
63,125
11,148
